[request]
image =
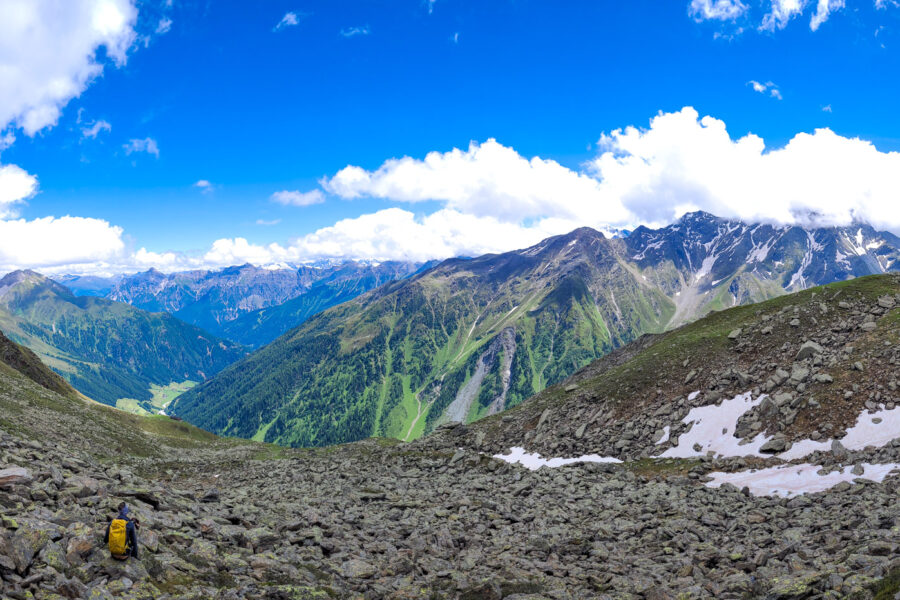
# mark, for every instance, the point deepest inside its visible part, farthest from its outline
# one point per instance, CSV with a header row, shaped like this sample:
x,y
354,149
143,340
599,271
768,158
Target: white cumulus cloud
x,y
487,179
64,241
16,185
48,54
683,162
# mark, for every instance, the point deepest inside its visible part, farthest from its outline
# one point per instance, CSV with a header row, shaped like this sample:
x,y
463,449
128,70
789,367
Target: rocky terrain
x,y
443,518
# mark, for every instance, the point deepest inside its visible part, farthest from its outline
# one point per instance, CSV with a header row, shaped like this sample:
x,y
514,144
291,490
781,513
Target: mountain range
x,y
231,302
109,351
469,338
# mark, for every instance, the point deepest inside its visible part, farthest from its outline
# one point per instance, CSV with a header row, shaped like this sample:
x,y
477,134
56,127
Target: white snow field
x,y
534,461
793,480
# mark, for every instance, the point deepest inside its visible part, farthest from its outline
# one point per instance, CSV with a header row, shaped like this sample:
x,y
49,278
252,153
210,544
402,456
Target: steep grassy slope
x,y
467,338
26,362
106,350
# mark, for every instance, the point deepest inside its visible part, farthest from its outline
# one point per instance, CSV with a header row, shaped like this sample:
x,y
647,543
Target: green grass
x,y
888,587
161,396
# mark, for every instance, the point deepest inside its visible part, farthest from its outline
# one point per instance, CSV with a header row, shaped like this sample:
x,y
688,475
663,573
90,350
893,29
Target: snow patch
x,y
793,480
866,432
713,430
533,460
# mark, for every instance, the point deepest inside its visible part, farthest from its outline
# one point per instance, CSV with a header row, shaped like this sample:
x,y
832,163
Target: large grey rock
x,y
808,350
15,476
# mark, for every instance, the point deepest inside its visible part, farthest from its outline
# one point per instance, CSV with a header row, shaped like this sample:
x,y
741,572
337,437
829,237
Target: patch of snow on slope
x,y
793,480
706,266
866,432
713,430
652,246
533,460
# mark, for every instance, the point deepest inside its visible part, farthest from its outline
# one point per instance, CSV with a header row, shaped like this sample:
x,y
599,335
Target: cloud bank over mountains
x,y
492,199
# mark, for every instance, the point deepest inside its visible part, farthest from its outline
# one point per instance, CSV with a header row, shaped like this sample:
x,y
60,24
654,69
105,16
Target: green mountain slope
x,y
26,362
462,340
106,350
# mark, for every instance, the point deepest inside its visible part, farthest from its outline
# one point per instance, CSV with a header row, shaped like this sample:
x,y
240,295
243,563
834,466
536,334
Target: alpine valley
x,y
109,351
472,337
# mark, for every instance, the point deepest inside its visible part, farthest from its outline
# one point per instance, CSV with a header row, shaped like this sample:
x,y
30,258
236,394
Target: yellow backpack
x,y
118,539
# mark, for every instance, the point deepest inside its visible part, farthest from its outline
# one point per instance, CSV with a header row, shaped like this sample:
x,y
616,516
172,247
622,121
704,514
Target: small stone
x,y
735,334
868,326
795,323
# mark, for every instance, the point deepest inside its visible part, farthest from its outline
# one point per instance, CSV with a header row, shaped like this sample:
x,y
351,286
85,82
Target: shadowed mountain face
x,y
469,338
229,302
106,350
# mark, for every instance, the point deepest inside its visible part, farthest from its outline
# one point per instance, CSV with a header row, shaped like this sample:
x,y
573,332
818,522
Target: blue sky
x,y
218,92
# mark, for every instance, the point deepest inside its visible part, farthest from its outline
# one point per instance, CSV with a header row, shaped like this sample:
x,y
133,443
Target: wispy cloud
x,y
93,130
204,186
455,37
298,198
768,88
717,10
289,19
354,31
827,108
429,5
147,145
268,223
164,25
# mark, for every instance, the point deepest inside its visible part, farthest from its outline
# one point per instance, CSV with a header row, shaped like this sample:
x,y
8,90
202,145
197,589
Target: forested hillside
x,y
106,350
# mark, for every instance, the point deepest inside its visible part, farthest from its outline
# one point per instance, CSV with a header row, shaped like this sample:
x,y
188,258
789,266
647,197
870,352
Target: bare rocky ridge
x,y
441,518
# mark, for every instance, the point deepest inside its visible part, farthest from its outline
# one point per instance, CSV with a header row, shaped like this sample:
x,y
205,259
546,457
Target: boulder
x,y
358,569
808,350
15,476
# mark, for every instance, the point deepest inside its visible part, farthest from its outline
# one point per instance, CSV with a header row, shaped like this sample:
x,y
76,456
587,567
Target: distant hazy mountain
x,y
214,299
106,350
472,337
88,285
341,284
